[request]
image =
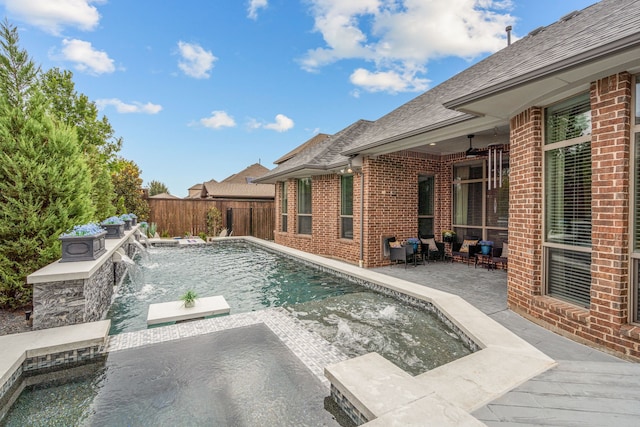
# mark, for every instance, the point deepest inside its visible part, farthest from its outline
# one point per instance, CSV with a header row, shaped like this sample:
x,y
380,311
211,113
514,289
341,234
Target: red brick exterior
x,y
391,209
606,323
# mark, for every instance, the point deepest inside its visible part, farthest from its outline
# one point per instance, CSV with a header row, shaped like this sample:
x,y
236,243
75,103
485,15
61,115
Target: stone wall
x,y
68,302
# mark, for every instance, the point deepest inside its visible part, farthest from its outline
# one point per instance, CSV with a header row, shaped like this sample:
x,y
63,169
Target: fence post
x,y
250,221
230,219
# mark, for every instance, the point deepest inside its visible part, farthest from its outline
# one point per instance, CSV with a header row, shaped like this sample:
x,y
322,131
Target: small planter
x,y
127,224
114,231
485,249
83,248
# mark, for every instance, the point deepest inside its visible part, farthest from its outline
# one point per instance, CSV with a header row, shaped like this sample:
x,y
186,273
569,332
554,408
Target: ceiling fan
x,y
471,152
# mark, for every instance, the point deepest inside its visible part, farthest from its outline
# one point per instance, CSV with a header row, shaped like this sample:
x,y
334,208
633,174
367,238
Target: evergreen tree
x,y
18,72
45,189
128,186
157,187
95,135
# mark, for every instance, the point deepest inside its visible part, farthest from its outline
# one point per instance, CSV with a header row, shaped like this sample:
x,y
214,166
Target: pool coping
x,y
372,389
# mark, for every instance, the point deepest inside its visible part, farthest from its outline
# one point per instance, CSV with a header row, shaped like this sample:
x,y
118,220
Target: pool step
x,y
175,311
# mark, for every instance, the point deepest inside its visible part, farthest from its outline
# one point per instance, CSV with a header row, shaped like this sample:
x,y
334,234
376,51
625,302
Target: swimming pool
x,y
353,318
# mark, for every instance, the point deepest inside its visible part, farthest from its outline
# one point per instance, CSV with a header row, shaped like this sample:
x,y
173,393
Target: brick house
x,y
537,145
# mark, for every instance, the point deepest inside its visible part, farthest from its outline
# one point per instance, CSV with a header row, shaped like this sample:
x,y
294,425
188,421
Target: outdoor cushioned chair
x,y
399,253
501,255
430,248
467,249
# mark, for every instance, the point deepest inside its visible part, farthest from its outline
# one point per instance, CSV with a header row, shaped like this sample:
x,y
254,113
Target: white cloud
x,y
387,81
124,108
254,5
399,37
86,58
282,124
218,119
196,62
53,15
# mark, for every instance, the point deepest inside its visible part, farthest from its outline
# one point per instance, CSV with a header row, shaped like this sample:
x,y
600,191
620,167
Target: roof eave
x,y
597,54
379,144
295,172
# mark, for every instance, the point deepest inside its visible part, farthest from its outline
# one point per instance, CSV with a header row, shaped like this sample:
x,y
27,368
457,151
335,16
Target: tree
x,y
95,136
157,187
18,72
128,186
44,190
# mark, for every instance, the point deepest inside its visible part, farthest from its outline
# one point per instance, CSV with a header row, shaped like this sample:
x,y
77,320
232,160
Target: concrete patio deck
x,y
586,388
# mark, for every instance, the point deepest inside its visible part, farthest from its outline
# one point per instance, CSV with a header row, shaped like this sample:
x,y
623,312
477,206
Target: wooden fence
x,y
246,218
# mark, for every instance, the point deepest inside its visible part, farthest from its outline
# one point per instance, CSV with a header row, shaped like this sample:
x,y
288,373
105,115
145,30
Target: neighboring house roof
x,y
164,196
226,190
322,157
310,143
246,175
199,186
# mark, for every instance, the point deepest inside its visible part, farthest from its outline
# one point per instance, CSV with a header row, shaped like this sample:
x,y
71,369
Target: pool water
x,y
249,277
353,318
188,374
238,377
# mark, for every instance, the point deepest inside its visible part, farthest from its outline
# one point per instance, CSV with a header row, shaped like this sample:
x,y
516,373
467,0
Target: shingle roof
x,y
322,156
310,143
602,29
238,191
253,171
164,196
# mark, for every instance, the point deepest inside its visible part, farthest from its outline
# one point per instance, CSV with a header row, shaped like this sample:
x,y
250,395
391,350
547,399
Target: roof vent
x,y
535,31
569,15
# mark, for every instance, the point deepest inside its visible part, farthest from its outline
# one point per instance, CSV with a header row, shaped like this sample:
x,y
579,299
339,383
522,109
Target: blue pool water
x,y
351,317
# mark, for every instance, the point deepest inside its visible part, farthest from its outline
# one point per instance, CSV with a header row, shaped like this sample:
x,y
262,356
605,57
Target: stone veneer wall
x,y
69,302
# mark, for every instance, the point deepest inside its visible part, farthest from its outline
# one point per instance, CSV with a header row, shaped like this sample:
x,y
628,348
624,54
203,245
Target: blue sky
x,y
199,90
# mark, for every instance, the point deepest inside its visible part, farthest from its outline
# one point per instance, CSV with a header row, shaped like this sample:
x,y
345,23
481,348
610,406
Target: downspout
x,y
361,262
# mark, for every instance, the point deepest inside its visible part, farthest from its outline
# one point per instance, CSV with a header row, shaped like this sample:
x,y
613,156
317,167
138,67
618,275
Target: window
x,y
285,205
567,200
346,206
481,198
635,274
304,206
425,204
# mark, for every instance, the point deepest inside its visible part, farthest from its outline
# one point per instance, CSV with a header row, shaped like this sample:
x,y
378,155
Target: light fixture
x,y
471,152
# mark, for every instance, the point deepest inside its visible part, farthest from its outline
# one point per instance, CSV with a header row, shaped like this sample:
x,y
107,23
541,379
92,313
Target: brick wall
x,y
390,206
525,208
605,323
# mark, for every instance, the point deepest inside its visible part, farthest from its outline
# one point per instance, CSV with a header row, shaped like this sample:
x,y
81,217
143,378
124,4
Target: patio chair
x,y
223,233
431,249
501,255
467,249
399,253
